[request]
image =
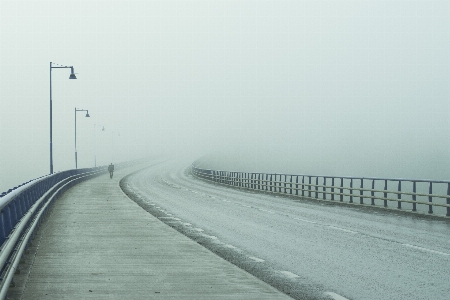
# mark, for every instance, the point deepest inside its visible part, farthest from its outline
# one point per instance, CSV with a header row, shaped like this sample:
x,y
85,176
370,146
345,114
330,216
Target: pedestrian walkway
x,y
96,243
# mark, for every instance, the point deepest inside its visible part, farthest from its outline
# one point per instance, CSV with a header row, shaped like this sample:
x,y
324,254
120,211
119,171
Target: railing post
x,y
2,227
317,187
351,190
341,196
332,188
279,183
414,196
303,185
385,192
309,186
324,196
296,186
399,196
430,199
372,193
291,183
271,182
361,193
285,180
448,199
259,181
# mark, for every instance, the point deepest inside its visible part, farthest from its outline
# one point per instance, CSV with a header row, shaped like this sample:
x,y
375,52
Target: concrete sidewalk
x,y
96,243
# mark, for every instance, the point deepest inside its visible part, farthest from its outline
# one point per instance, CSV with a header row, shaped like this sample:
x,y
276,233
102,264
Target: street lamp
x,y
95,143
72,76
87,116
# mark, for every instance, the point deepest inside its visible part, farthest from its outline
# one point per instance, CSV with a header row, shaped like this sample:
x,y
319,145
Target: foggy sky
x,y
319,87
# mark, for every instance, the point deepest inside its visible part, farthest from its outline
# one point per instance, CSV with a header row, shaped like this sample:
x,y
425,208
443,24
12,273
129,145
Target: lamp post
x,y
87,116
72,76
95,143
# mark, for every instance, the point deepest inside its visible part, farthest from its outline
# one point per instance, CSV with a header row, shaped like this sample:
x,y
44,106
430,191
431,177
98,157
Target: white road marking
x,y
342,229
187,224
211,237
172,218
426,250
256,259
198,229
307,221
269,211
230,246
335,296
289,274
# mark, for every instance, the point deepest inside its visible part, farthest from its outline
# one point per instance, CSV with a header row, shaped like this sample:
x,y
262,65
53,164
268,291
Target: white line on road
x,y
230,246
198,229
342,229
427,250
187,224
335,296
307,221
256,259
211,237
269,211
289,274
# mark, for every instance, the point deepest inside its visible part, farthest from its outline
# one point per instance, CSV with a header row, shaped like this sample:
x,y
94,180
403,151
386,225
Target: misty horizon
x,y
350,88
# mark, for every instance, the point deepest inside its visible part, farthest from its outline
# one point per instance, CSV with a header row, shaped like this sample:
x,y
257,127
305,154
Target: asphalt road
x,y
309,250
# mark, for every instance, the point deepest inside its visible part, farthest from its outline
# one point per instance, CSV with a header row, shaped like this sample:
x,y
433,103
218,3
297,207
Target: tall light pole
x,y
95,143
87,116
72,76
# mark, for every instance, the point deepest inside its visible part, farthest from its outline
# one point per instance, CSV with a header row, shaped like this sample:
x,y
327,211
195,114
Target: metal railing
x,y
21,211
417,195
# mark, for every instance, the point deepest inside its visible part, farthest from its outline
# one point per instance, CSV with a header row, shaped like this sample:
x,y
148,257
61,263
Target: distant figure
x,y
111,170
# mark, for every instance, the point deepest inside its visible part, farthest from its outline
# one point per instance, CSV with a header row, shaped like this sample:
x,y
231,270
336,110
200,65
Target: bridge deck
x,y
97,243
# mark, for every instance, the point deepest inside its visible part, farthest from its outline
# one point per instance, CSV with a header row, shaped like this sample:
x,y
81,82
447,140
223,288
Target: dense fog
x,y
312,87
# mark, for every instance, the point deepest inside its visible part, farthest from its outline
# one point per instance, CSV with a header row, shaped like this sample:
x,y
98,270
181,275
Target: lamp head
x,y
72,74
87,114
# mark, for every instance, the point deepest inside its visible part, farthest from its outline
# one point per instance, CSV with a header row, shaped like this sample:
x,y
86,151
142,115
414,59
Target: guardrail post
x,y
324,196
332,188
448,200
385,193
351,190
296,186
309,186
259,181
303,186
414,196
341,196
2,227
271,183
317,187
372,193
291,183
399,196
430,199
285,180
361,193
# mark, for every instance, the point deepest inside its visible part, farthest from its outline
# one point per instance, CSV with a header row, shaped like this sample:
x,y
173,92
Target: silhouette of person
x,y
111,170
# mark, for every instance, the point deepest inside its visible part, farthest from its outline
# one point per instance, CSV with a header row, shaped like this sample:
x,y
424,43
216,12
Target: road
x,y
310,250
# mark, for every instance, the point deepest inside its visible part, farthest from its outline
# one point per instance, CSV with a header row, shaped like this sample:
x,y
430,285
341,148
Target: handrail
x,y
418,193
21,210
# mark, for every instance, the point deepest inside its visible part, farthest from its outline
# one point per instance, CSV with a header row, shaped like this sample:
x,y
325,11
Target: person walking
x,y
111,170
